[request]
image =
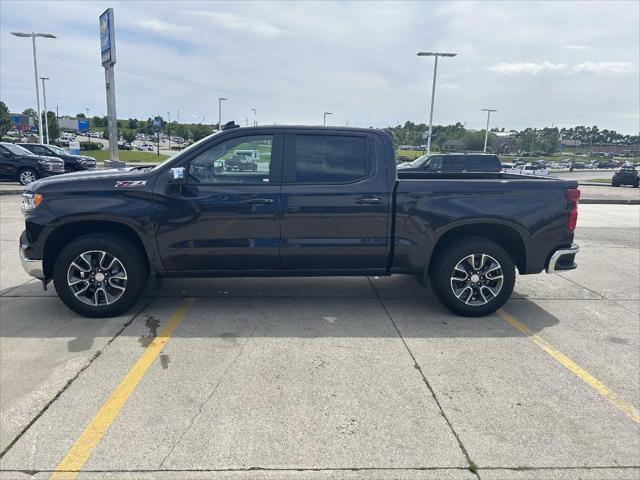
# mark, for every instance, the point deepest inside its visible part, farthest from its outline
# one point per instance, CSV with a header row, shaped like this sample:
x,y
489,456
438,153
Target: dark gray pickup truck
x,y
321,201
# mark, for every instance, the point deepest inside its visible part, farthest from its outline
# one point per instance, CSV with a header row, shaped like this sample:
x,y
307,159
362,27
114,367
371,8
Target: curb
x,y
11,192
608,201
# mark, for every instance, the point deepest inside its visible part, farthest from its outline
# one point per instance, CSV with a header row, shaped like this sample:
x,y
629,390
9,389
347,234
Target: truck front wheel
x,y
100,275
473,277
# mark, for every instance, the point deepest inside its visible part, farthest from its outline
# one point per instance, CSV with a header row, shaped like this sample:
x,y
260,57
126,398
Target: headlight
x,y
46,164
30,201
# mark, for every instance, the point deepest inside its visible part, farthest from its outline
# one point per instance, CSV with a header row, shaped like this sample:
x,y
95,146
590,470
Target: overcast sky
x,y
537,63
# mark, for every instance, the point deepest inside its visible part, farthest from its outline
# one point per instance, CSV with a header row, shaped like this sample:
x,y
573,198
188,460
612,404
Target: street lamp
x,y
220,100
169,129
486,132
255,117
433,87
324,120
33,36
44,98
88,124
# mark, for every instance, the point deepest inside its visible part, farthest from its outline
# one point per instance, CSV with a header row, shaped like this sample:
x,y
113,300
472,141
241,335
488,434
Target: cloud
x,y
159,26
604,67
527,67
240,23
577,47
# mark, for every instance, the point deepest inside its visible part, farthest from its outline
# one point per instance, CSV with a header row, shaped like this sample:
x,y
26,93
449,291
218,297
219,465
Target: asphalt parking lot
x,y
324,378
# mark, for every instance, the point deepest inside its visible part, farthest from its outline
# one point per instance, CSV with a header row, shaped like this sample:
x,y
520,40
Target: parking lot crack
x,y
472,467
209,396
73,379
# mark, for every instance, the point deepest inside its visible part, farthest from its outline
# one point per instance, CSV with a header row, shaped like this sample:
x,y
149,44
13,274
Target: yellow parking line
x,y
81,450
573,367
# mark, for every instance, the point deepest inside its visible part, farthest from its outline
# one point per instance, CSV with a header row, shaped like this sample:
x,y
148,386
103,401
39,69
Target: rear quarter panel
x,y
427,209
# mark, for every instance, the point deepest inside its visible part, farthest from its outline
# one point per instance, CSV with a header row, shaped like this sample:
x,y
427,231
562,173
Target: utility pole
x,y
88,124
169,129
433,88
324,119
44,98
255,117
486,132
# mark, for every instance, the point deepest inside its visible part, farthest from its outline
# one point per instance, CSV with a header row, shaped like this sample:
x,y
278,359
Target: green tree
x,y
105,133
5,119
133,123
180,130
97,122
54,128
80,115
128,135
475,141
199,131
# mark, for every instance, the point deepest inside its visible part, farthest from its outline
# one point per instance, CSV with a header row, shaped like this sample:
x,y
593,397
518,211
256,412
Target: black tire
x,y
615,184
129,257
442,277
27,175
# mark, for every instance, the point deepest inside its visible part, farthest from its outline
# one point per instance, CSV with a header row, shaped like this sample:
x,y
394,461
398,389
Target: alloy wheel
x,y
477,279
97,278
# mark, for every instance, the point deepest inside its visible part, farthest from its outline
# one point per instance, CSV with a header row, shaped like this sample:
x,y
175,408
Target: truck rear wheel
x,y
100,275
473,277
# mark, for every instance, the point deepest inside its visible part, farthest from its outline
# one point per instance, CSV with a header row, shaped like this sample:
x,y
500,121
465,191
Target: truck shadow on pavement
x,y
266,307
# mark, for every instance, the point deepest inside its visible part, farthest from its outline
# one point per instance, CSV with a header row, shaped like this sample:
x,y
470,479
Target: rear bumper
x,y
32,267
563,259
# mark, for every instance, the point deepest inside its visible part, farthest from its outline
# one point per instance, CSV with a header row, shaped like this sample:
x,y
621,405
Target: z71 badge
x,y
130,183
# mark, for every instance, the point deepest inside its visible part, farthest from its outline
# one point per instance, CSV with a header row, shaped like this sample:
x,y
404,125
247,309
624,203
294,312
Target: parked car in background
x,y
530,169
72,163
19,164
626,176
124,146
453,162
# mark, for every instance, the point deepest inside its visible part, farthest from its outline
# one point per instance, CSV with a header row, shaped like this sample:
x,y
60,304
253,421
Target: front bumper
x,y
32,267
563,259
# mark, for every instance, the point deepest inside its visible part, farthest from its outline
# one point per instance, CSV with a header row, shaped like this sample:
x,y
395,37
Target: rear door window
x,y
331,159
454,163
482,163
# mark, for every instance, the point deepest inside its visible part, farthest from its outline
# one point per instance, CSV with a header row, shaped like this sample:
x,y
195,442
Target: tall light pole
x,y
255,117
88,124
33,36
169,129
44,98
220,100
433,87
486,132
324,119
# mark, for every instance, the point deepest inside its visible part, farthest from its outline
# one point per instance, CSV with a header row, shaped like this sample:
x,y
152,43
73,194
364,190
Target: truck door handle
x,y
368,201
259,201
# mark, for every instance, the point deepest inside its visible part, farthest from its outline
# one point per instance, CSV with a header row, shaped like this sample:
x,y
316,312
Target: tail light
x,y
572,195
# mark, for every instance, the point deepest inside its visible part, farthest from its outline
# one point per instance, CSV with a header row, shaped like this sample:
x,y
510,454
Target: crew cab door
x,y
226,217
336,202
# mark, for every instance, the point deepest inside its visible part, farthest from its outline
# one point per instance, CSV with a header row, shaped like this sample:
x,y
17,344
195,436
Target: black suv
x,y
17,163
72,163
626,176
453,162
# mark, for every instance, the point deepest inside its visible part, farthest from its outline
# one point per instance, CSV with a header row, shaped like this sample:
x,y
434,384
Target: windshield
x,y
58,150
418,161
193,146
16,149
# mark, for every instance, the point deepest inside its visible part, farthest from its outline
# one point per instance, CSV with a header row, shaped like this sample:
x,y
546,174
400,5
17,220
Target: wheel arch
x,y
506,236
68,232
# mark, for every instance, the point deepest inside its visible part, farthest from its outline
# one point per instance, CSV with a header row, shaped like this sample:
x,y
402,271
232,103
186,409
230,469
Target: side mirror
x,y
177,176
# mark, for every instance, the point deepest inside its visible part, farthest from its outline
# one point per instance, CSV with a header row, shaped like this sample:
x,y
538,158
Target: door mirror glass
x,y
177,176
